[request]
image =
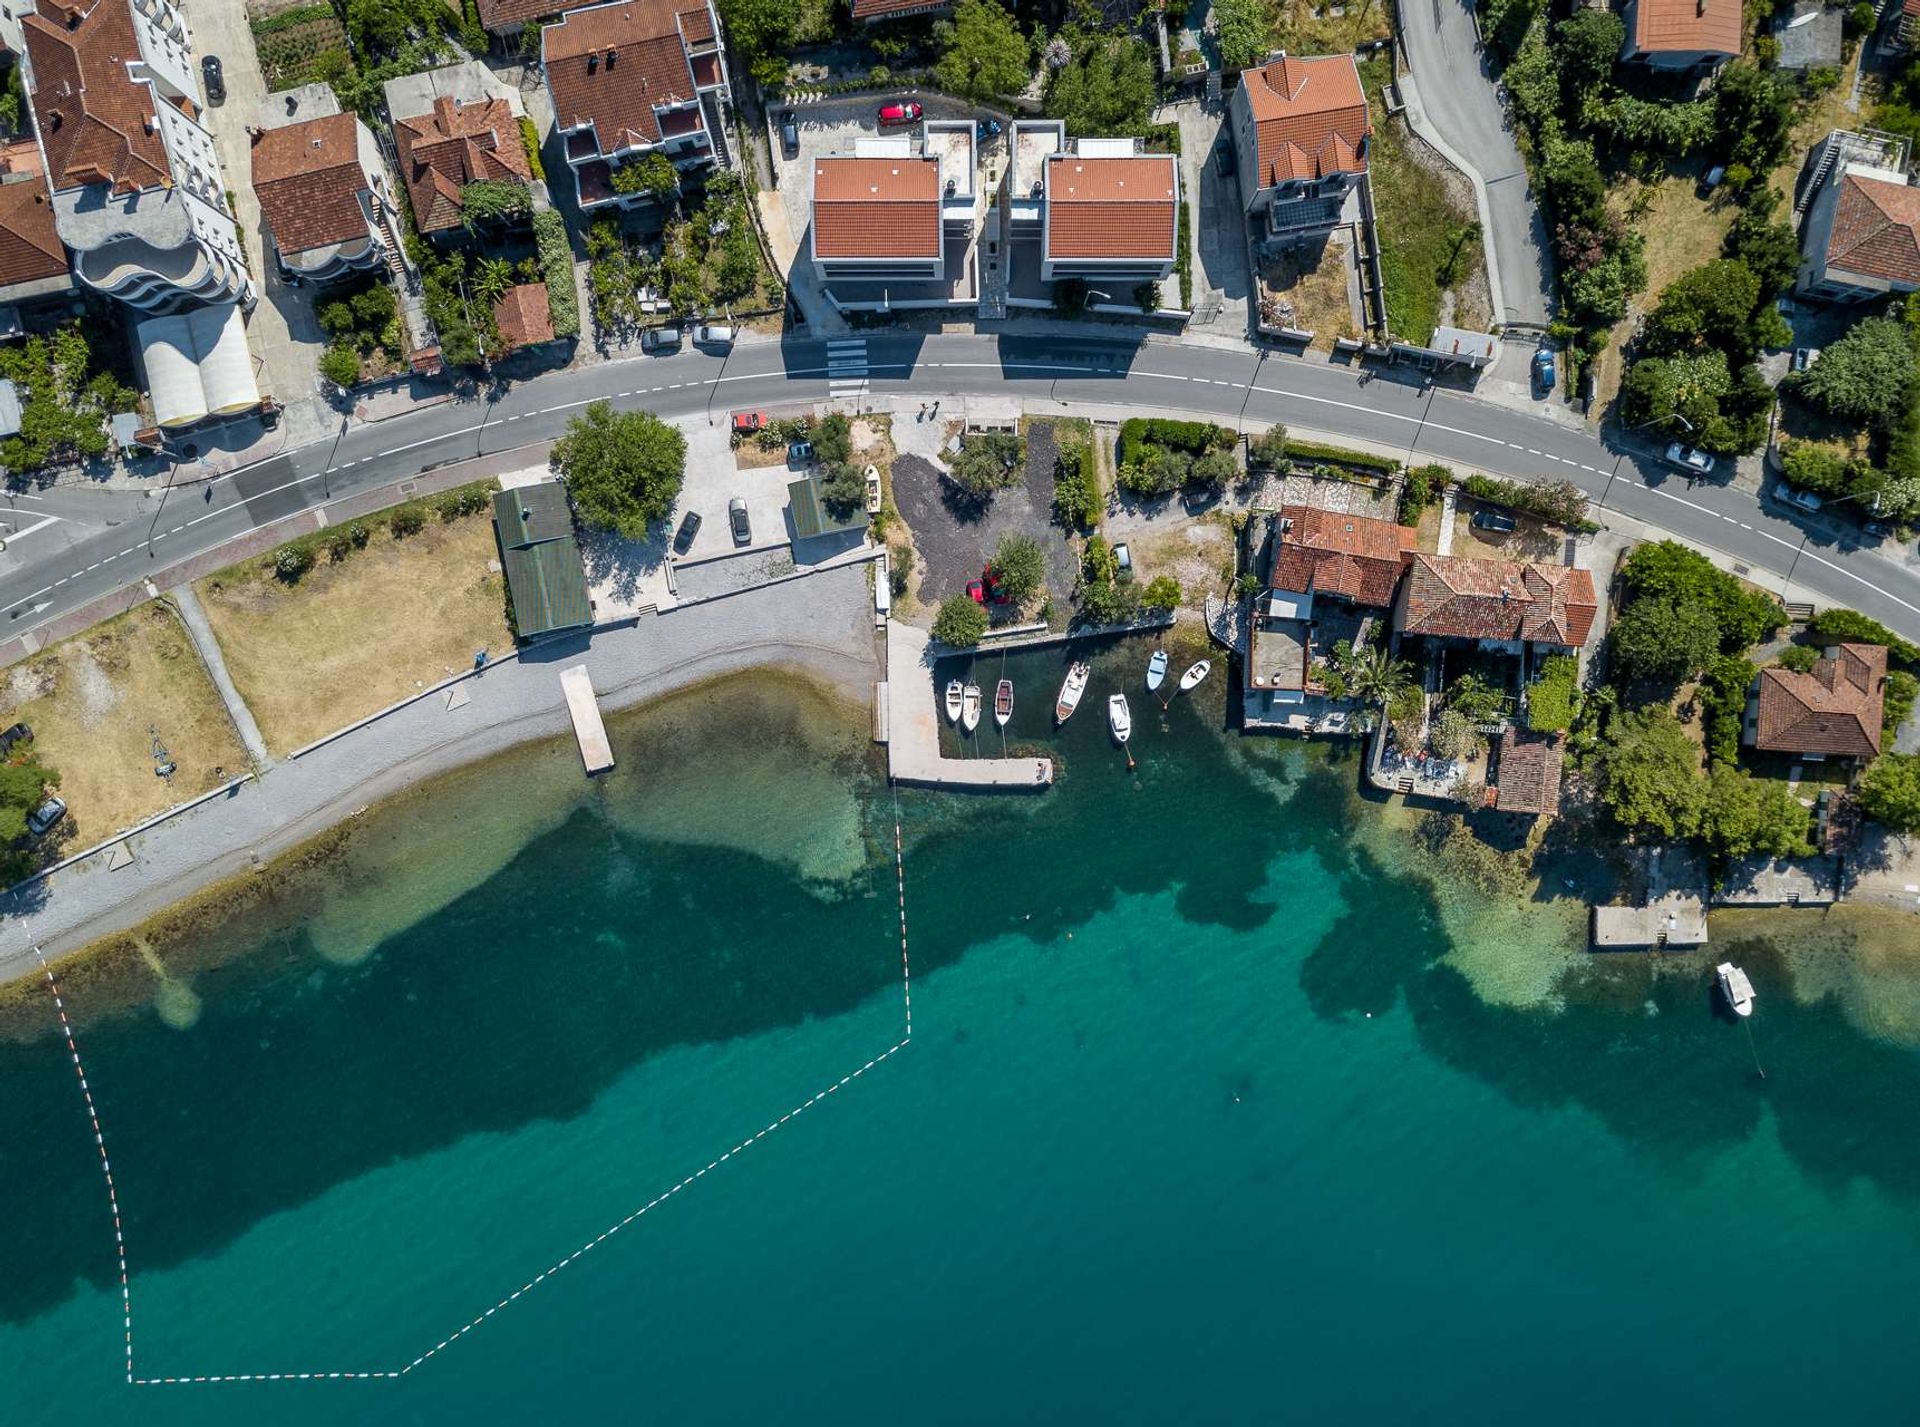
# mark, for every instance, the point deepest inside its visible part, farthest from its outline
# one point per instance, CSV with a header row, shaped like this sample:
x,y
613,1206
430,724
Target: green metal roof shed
x,y
810,514
545,574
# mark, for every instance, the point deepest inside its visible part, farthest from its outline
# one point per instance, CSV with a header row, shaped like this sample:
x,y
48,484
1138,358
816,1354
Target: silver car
x,y
1699,463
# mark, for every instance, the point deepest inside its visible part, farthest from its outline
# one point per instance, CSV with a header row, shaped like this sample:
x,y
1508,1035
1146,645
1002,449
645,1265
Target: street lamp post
x,y
1640,426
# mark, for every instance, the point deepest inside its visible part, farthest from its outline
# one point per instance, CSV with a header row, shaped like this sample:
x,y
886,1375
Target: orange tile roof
x,y
309,181
1876,229
1309,117
1684,26
1453,596
1527,777
1835,709
99,124
611,66
523,315
876,9
876,208
499,14
1350,555
1110,207
30,248
457,144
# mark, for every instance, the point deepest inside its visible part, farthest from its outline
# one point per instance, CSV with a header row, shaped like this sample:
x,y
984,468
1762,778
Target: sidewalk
x,y
195,618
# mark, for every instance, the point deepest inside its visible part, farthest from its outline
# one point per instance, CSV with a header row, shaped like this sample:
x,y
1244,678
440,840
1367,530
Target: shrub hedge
x,y
556,265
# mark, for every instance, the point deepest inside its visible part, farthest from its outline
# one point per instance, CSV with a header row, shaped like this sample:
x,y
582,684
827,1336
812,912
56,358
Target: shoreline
x,y
820,626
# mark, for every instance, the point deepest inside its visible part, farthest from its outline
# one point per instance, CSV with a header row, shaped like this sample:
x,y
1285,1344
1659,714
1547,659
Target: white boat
x,y
970,708
1003,702
1120,718
953,701
1156,670
873,490
1190,680
1071,688
1735,987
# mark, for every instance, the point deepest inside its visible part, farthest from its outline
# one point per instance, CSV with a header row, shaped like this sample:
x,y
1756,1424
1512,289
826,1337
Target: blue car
x,y
1543,369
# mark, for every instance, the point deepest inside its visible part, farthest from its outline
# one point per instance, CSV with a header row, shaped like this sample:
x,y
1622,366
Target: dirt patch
x,y
750,456
354,636
1683,230
1308,288
98,702
1530,539
1198,554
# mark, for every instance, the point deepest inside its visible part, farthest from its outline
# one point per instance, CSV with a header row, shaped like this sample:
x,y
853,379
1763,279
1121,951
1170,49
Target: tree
x,y
1890,791
340,364
1107,88
1664,641
1713,305
1019,566
1374,676
1474,699
762,31
1155,472
843,489
1865,375
1268,450
1213,469
1768,247
1162,593
1650,774
987,54
1743,814
1670,570
23,786
1245,31
1452,734
1849,626
1588,44
987,461
652,173
1076,495
832,438
1754,108
960,623
622,468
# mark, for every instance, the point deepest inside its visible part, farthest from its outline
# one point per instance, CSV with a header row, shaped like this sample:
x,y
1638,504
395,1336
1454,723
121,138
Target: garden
x,y
65,400
705,261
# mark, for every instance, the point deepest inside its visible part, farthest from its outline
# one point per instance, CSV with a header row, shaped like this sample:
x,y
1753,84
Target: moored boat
x,y
970,708
1735,987
1156,669
1119,718
953,700
1190,680
1003,702
1071,688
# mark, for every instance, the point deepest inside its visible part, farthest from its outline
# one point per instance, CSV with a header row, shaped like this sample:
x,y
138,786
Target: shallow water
x,y
1214,1111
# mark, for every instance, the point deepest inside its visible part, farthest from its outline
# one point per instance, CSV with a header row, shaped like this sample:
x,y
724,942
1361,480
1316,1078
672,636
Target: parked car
x,y
789,135
1223,157
41,820
1698,463
1493,520
1123,561
17,734
714,334
659,341
737,518
904,112
1802,500
214,78
1874,530
745,423
1804,357
683,537
799,454
1545,375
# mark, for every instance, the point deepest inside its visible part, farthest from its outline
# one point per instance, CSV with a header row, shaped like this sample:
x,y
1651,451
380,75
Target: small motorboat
x,y
1003,702
1156,670
1071,688
1120,718
953,700
1190,680
1735,987
970,708
873,490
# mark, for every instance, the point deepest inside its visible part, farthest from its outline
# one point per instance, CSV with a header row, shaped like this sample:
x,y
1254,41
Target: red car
x,y
892,115
745,423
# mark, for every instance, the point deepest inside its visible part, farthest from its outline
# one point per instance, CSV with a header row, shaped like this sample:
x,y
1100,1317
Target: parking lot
x,y
714,478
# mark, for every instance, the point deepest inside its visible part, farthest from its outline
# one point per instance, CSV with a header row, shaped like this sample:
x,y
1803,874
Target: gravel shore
x,y
820,624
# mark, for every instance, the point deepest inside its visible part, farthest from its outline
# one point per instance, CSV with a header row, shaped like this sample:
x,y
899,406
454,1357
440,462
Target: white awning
x,y
198,365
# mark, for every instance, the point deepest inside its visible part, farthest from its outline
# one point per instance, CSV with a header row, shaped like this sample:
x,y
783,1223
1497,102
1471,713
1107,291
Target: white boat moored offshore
x,y
1156,669
1003,702
1735,987
1190,680
953,700
970,708
1071,688
1119,718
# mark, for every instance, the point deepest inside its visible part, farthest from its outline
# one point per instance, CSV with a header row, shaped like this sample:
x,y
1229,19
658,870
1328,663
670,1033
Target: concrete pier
x,y
584,709
913,727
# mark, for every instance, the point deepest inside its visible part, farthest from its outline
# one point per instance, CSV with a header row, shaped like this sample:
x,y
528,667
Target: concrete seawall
x,y
913,728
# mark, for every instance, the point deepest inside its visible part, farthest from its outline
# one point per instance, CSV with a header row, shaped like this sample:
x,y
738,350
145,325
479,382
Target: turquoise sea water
x,y
1202,1120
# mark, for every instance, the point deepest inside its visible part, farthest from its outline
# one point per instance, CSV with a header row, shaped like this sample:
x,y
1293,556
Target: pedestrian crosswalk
x,y
847,369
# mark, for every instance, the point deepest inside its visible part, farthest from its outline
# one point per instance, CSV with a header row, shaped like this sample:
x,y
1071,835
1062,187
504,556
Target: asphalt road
x,y
1462,101
44,578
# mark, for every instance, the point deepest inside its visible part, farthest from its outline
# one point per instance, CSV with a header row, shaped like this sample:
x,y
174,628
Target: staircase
x,y
407,287
1829,155
714,113
396,263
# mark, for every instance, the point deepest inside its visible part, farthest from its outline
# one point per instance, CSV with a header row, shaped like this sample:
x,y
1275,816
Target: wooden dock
x,y
595,752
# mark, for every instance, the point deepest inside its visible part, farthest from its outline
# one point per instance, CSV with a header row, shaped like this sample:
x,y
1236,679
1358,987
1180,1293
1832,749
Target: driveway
x,y
1222,285
1460,96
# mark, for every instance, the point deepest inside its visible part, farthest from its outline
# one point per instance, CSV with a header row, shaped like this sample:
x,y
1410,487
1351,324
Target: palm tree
x,y
1375,677
493,281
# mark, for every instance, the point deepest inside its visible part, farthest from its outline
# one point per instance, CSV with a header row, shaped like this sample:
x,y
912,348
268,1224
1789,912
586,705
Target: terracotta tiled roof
x,y
1452,596
875,9
30,249
1528,775
1835,709
1110,207
1682,26
99,125
611,66
457,144
309,180
523,316
876,208
1350,555
1876,229
1309,117
504,14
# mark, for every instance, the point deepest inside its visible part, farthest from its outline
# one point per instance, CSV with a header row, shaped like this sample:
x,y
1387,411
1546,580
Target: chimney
x,y
443,110
612,55
1700,8
593,61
